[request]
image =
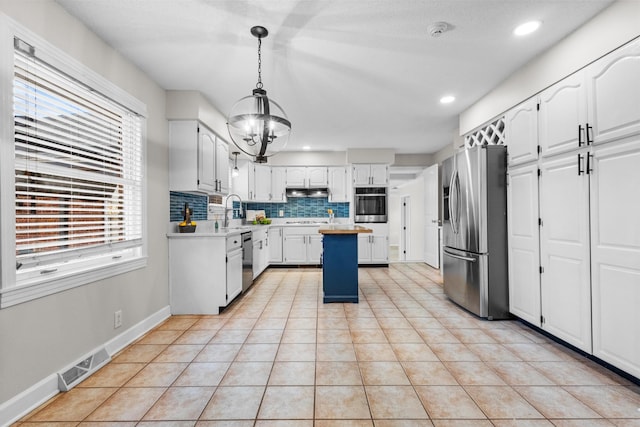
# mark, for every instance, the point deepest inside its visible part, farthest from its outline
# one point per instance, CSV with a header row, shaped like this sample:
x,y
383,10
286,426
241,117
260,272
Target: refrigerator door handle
x,y
464,258
454,201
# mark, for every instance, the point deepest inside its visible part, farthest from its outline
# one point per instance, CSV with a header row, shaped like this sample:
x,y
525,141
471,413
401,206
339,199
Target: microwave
x,y
370,204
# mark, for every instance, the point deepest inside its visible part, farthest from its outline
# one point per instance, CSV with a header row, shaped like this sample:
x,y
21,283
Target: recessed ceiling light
x,y
448,99
527,28
306,148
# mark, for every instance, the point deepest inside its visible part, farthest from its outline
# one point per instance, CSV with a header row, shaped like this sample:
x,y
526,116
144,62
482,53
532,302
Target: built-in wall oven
x,y
370,204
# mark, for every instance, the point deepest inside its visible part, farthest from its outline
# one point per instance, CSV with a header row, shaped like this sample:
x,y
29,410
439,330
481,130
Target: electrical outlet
x,y
117,319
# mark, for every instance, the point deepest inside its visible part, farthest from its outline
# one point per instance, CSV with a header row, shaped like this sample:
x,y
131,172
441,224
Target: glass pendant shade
x,y
258,126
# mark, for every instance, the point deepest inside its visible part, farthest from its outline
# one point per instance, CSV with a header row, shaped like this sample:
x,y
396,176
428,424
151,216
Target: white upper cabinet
x,y
563,116
206,161
243,184
278,184
338,184
296,177
368,175
198,159
259,182
522,132
595,105
262,183
524,243
306,177
317,177
613,87
222,166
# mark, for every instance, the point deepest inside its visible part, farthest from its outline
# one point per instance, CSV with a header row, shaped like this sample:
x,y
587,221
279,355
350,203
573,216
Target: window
x,y
78,182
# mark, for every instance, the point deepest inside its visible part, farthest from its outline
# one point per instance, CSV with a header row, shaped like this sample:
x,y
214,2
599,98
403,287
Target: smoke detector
x,y
438,28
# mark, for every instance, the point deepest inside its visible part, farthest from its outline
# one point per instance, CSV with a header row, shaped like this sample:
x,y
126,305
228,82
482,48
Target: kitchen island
x,y
340,262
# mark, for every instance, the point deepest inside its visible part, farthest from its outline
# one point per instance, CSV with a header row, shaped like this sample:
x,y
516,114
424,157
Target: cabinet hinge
x,y
226,259
226,296
198,129
541,269
540,222
539,172
539,149
538,106
541,319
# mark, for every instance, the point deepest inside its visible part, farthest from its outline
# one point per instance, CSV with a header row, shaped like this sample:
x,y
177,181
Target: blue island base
x,y
340,268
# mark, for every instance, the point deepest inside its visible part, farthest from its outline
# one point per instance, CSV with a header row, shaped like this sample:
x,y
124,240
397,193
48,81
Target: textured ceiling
x,y
349,73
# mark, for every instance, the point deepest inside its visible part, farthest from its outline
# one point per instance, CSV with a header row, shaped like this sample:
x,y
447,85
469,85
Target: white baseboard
x,y
20,405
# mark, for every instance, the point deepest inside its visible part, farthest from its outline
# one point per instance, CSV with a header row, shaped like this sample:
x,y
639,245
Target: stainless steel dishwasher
x,y
247,260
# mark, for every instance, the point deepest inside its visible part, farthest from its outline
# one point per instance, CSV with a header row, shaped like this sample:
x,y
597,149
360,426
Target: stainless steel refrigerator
x,y
475,230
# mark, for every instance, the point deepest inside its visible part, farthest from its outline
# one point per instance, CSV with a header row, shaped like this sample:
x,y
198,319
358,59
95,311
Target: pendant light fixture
x,y
257,125
235,172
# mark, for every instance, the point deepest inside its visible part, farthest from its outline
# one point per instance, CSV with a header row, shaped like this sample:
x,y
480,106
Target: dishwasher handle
x,y
464,258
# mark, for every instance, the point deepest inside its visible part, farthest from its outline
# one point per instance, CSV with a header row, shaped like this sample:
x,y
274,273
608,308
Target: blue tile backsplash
x,y
299,207
302,207
198,203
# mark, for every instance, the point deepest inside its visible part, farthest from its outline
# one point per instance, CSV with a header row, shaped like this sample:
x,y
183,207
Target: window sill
x,y
20,294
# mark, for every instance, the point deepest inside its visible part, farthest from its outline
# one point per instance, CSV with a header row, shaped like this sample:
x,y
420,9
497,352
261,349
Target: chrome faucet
x,y
226,208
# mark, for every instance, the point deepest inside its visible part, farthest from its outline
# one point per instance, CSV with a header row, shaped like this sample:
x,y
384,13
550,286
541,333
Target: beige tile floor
x,y
403,357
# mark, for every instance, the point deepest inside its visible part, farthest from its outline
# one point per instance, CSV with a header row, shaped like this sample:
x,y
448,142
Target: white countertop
x,y
207,228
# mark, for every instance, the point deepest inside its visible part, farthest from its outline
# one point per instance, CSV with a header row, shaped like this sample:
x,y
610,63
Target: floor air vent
x,y
72,376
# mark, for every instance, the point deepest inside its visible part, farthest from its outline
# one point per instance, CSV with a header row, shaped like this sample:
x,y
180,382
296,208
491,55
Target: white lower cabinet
x,y
564,249
615,253
205,273
373,248
586,288
524,243
260,251
301,245
275,245
234,274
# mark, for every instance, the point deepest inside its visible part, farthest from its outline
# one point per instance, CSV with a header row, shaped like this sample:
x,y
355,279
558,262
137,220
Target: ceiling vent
x,y
438,28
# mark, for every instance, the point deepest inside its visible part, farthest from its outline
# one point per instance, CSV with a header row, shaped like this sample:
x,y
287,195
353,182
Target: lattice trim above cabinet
x,y
491,134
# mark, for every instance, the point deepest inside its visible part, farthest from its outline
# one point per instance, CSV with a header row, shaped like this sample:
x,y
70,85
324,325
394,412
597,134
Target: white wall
x,y
393,217
40,337
612,28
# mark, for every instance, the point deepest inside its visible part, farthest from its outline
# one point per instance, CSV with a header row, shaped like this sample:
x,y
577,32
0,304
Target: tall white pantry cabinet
x,y
574,209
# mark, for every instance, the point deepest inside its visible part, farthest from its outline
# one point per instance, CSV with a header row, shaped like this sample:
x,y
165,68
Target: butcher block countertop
x,y
343,229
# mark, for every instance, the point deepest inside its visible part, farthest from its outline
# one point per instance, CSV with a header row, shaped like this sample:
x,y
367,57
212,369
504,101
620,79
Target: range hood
x,y
307,192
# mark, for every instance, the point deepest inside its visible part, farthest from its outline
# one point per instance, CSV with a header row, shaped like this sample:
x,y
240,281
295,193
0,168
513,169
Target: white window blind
x,y
78,171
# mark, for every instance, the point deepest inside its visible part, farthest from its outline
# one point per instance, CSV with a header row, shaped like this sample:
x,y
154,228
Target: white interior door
x,y
431,224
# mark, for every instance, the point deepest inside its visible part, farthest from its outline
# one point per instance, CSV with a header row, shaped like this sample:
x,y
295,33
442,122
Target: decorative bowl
x,y
189,228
